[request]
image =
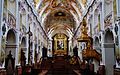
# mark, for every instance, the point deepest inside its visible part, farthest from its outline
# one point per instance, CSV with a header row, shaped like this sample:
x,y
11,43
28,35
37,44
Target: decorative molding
x,y
108,20
11,20
108,1
22,7
12,1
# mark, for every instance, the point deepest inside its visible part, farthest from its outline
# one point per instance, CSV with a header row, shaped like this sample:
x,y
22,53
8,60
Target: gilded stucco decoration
x,y
60,47
88,52
84,2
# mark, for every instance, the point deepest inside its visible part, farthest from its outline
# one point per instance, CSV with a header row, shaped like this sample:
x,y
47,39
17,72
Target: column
x,y
17,34
80,50
102,32
69,49
108,58
119,41
93,25
32,40
0,12
118,8
33,52
1,17
27,51
41,46
102,16
50,48
0,24
27,39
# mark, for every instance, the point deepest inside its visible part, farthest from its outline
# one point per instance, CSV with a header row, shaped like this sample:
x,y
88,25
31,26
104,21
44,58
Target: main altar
x,y
60,44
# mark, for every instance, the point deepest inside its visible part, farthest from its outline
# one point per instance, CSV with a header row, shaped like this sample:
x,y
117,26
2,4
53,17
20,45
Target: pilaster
x,y
17,34
27,39
33,52
119,39
1,19
102,15
108,58
80,50
118,8
93,25
27,51
1,1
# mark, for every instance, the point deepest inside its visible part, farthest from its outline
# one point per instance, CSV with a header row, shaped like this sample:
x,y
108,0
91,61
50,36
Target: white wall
x,y
118,7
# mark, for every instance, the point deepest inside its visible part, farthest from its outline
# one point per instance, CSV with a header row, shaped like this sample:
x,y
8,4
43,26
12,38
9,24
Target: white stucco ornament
x,y
108,1
11,0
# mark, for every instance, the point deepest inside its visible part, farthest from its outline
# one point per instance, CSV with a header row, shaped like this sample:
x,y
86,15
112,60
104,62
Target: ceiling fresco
x,y
60,14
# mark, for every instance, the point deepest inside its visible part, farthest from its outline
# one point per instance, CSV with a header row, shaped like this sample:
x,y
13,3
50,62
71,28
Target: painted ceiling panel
x,y
60,14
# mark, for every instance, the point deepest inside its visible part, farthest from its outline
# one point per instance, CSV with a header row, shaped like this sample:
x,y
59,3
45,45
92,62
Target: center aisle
x,y
58,65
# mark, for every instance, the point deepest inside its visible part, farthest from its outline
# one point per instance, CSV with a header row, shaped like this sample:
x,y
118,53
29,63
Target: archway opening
x,y
108,53
109,37
23,52
10,51
97,44
10,43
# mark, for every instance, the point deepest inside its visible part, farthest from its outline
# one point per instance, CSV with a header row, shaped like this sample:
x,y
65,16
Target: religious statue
x,y
23,59
9,64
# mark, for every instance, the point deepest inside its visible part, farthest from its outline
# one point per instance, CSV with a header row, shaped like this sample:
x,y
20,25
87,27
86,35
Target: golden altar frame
x,y
60,44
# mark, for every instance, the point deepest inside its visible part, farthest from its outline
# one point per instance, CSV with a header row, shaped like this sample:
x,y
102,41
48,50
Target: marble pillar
x,y
108,58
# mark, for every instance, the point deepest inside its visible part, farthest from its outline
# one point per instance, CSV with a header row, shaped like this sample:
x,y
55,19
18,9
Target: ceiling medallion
x,y
59,14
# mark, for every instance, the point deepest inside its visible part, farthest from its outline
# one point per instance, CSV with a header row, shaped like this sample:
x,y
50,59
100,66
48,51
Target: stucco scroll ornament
x,y
108,20
108,1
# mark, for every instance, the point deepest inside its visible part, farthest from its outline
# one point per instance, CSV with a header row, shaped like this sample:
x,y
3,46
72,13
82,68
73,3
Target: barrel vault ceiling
x,y
60,16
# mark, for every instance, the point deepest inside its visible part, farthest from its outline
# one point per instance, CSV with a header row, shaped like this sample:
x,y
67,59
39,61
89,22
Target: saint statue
x,y
9,64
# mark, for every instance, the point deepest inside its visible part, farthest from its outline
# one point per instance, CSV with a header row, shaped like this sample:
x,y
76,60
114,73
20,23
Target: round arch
x,y
108,52
23,42
23,48
23,51
97,44
11,42
109,37
96,41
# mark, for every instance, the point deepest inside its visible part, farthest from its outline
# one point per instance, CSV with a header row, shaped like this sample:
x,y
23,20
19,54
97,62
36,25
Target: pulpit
x,y
89,52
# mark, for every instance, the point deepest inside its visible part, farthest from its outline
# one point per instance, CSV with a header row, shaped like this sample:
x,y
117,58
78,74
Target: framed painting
x,y
60,44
